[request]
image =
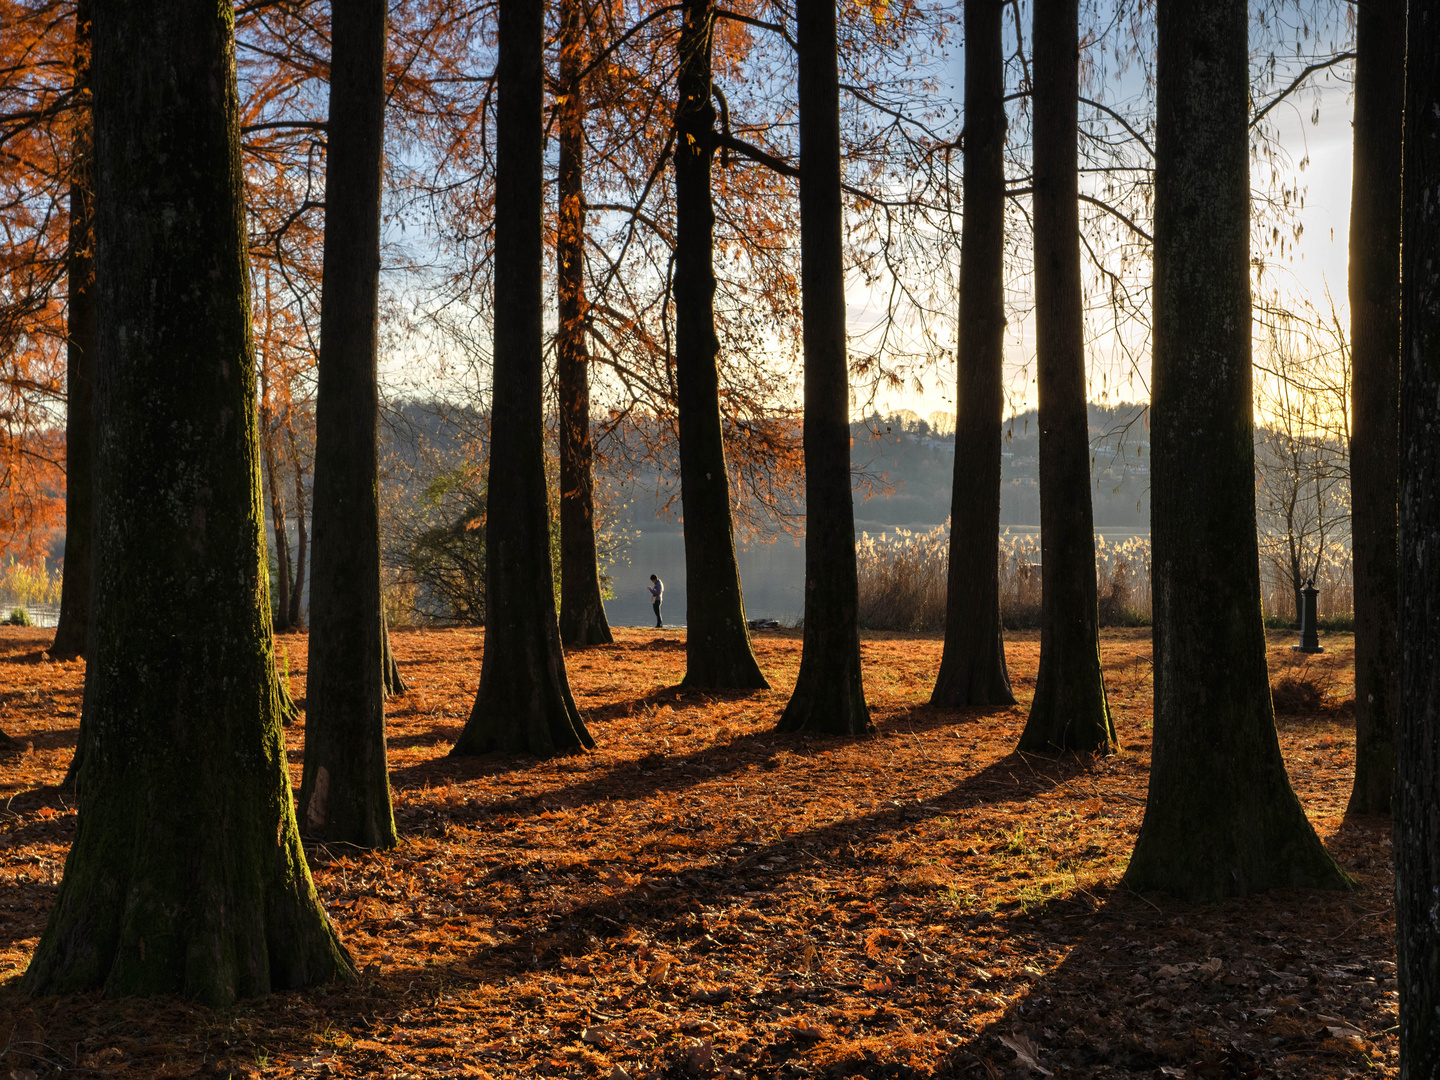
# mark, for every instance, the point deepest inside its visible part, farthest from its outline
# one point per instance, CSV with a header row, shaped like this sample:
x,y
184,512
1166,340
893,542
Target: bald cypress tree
x,y
717,639
972,666
1070,710
829,693
1375,366
524,704
71,627
186,875
345,790
1417,790
1221,818
582,611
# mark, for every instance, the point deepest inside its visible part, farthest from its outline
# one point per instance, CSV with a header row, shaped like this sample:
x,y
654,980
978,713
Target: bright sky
x,y
1320,258
1319,139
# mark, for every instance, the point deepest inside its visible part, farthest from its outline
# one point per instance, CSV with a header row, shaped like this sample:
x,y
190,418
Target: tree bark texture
x,y
1417,790
186,875
277,514
717,639
1070,710
394,681
70,629
829,694
1375,374
297,582
1221,818
972,665
582,611
524,704
345,790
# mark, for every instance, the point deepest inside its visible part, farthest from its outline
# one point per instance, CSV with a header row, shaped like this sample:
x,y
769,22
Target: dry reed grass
x,y
903,579
1336,582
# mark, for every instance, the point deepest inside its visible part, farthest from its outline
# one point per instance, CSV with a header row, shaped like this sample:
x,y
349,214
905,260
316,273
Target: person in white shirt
x,y
657,590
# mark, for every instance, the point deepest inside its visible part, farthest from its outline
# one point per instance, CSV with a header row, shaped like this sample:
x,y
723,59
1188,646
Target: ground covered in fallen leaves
x,y
700,897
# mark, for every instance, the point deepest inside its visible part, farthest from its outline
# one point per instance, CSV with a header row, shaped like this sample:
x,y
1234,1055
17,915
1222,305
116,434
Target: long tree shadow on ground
x,y
1098,981
748,867
644,776
1289,983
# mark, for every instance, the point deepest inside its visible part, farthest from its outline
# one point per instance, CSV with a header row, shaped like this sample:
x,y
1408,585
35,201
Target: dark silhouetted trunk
x,y
1221,818
717,639
394,682
1069,711
582,611
524,703
829,694
277,513
345,790
297,586
74,619
1375,397
1417,768
186,875
972,666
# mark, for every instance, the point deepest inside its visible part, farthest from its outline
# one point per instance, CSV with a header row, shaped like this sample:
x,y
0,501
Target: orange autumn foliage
x,y
39,107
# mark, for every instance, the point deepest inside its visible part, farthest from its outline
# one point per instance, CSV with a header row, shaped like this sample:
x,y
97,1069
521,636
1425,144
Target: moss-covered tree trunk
x,y
1375,375
829,693
186,875
972,665
70,629
345,791
1070,710
717,639
582,610
1221,818
524,704
1417,790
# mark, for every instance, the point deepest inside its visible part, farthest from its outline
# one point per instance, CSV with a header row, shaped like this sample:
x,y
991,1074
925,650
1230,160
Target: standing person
x,y
657,590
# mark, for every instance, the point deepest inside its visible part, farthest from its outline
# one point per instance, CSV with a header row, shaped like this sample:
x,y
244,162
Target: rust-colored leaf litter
x,y
701,897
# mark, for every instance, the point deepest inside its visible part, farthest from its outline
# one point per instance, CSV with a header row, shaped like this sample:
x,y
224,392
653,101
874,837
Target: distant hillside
x,y
904,468
917,463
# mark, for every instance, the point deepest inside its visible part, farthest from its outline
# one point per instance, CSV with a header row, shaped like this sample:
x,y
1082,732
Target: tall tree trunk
x,y
524,703
582,611
1417,791
74,619
1375,360
829,693
186,875
972,666
1221,818
277,513
394,681
345,789
1070,710
717,639
297,588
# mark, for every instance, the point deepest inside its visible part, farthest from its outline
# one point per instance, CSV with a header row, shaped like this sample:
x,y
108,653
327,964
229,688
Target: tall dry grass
x,y
903,579
1336,582
30,584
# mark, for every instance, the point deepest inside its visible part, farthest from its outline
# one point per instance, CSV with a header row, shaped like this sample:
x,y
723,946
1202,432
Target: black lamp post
x,y
1309,620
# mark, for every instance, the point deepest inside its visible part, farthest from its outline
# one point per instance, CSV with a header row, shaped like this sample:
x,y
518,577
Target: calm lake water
x,y
771,575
